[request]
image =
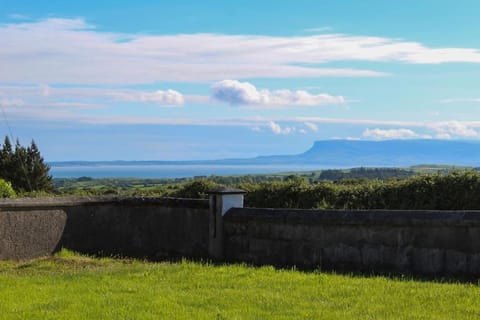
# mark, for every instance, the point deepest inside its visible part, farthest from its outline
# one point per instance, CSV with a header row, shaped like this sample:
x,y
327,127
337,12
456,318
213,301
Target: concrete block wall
x,y
425,243
420,243
154,228
30,234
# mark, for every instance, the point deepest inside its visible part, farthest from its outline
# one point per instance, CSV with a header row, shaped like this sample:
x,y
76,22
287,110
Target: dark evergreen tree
x,y
38,171
6,160
24,167
20,176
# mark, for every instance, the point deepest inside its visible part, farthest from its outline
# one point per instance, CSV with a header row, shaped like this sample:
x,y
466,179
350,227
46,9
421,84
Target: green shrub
x,y
197,189
6,190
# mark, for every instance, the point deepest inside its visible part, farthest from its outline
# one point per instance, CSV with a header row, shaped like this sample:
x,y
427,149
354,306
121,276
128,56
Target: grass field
x,y
69,286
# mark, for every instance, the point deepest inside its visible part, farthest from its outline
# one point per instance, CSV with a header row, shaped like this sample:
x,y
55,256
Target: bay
x,y
171,171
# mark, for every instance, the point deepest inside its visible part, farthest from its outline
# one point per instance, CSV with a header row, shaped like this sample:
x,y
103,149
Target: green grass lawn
x,y
70,286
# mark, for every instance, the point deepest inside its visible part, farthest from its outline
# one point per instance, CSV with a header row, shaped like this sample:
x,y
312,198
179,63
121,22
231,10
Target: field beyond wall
x,y
69,286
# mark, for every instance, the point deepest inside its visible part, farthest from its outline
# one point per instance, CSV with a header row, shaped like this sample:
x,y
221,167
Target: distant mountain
x,y
393,152
347,153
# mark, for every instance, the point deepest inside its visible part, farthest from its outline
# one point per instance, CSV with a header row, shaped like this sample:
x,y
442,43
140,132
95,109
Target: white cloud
x,y
244,93
288,130
235,92
169,97
444,136
277,129
302,131
381,134
312,126
73,51
454,128
256,129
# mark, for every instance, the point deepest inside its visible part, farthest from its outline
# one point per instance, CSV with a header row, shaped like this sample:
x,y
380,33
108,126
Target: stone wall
x,y
135,227
422,243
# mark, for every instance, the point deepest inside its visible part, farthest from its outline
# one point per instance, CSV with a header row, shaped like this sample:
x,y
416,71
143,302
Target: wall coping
x,y
59,202
226,190
427,218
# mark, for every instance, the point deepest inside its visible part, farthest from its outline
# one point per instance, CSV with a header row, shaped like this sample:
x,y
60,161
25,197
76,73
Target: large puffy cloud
x,y
235,92
73,51
244,93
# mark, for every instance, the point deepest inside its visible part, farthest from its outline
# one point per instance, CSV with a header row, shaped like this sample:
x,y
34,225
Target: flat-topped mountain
x,y
354,153
393,152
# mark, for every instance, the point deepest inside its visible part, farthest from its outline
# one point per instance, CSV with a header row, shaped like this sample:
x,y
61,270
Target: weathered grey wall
x,y
136,227
29,234
410,242
432,243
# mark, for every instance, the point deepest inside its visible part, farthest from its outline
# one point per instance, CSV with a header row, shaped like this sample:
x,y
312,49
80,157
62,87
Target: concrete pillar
x,y
221,200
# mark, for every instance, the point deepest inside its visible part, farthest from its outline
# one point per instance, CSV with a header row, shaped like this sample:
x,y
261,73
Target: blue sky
x,y
158,80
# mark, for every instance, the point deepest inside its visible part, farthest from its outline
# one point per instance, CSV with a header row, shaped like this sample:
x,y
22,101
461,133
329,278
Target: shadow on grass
x,y
67,257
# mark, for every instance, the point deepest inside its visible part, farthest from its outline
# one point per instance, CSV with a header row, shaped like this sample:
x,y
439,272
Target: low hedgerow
x,y
458,190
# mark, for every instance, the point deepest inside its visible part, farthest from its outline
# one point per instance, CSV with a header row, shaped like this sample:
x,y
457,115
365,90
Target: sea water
x,y
170,171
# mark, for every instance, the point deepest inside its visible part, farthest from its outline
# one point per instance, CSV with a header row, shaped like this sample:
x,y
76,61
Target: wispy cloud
x,y
31,112
8,102
312,126
73,51
44,93
244,93
381,134
66,112
18,16
72,105
319,29
447,101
